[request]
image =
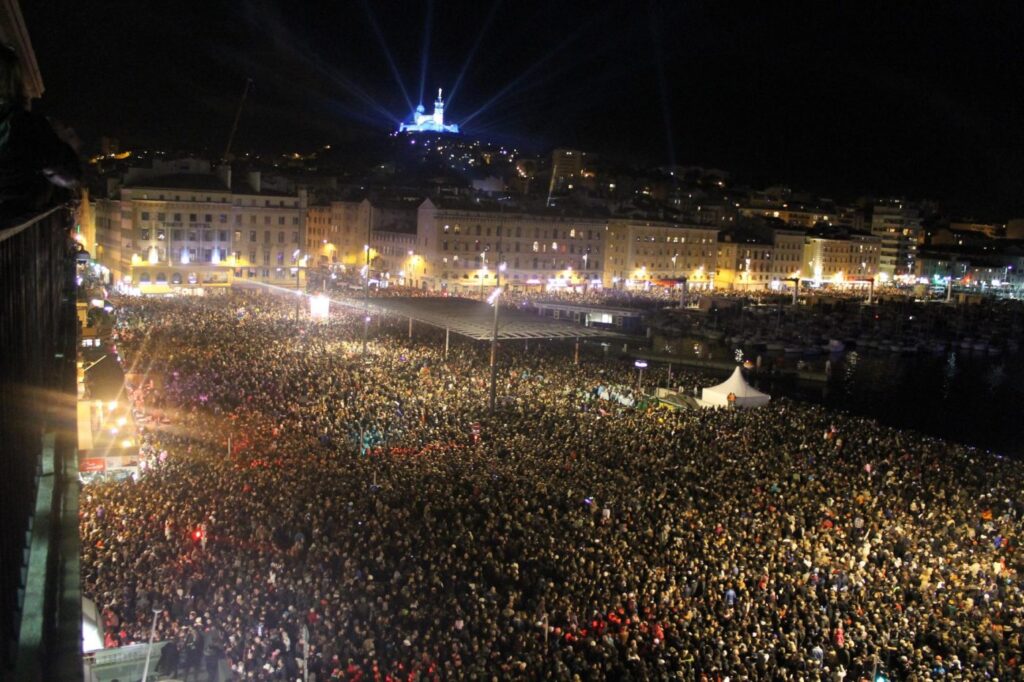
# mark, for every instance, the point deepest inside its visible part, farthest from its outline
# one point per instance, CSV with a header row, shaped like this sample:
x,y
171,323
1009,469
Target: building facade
x,y
180,226
467,246
643,251
566,167
898,225
787,254
338,233
838,255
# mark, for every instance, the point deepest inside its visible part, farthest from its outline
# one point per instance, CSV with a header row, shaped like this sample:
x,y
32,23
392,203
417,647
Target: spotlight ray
x,y
568,103
425,53
276,80
282,40
584,87
472,51
518,82
662,89
387,52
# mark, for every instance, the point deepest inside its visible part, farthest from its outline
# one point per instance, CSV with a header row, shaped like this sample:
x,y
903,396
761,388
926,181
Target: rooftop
x,y
516,208
474,319
203,182
200,181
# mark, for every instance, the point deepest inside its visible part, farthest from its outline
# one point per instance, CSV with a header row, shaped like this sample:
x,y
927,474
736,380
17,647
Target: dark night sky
x,y
900,98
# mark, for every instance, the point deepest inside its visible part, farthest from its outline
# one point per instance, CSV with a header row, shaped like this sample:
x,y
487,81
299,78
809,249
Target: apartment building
x,y
180,226
467,246
641,251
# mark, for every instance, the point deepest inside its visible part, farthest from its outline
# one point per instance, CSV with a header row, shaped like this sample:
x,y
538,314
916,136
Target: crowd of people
x,y
304,506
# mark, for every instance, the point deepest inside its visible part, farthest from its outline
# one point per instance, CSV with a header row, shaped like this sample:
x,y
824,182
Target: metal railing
x,y
37,375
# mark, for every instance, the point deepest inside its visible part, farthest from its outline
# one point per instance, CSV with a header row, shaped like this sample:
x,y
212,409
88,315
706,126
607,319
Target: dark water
x,y
971,399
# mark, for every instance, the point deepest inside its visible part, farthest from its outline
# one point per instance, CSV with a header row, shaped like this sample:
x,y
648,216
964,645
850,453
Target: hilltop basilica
x,y
429,124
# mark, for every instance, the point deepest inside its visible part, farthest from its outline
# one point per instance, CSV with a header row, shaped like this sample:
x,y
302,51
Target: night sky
x,y
891,98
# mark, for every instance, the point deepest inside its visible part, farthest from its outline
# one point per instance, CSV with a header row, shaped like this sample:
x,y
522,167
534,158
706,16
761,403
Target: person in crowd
x,y
377,508
169,659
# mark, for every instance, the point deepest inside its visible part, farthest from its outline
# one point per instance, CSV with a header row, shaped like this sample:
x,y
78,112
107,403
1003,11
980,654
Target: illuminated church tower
x,y
421,123
439,110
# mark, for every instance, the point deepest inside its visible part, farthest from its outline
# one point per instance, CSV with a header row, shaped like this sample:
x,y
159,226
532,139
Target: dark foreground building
x,y
40,603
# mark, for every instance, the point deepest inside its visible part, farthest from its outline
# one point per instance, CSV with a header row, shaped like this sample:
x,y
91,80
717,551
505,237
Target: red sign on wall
x,y
92,464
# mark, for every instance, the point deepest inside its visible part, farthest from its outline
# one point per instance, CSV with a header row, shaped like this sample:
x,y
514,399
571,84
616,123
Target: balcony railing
x,y
37,384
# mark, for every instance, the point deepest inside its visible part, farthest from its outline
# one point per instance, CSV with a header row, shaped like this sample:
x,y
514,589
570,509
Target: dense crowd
x,y
375,504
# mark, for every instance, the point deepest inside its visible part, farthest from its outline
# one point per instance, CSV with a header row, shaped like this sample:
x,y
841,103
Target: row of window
x,y
848,259
193,278
685,253
212,235
538,233
668,267
673,240
219,255
222,218
267,203
537,263
537,247
514,276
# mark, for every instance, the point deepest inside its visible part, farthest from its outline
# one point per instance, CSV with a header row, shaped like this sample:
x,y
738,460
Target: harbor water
x,y
972,398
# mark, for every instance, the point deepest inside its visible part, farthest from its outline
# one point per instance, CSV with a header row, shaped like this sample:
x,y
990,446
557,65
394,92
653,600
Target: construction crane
x,y
238,115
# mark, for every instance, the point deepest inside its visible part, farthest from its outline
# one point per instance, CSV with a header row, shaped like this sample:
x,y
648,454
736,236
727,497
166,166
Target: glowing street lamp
x,y
641,365
483,272
366,301
298,272
414,260
494,300
319,307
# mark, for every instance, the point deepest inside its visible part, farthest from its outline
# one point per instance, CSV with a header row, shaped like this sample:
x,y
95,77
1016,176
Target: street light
x,y
414,259
149,649
494,299
640,365
483,271
298,291
366,299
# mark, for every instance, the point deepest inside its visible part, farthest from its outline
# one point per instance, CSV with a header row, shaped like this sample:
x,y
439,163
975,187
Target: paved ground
x,y
474,319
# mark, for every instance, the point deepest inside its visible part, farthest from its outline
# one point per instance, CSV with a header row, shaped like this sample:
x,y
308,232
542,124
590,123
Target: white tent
x,y
746,395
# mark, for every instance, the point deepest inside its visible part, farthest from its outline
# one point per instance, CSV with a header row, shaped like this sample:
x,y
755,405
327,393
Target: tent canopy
x,y
745,394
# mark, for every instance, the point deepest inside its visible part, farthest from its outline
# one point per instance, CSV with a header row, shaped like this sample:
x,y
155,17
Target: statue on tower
x,y
421,123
